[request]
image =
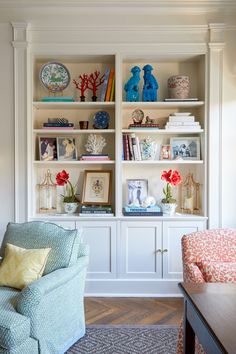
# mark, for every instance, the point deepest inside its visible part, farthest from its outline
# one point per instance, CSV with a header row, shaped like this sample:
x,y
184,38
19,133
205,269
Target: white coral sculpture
x,y
95,144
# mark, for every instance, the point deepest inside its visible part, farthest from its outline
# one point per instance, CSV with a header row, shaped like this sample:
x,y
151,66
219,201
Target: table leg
x,y
189,335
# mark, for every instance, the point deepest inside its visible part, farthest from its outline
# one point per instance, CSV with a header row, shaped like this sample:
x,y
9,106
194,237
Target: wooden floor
x,y
142,311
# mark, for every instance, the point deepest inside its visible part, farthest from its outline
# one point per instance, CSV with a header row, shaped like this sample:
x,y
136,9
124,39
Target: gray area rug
x,y
127,339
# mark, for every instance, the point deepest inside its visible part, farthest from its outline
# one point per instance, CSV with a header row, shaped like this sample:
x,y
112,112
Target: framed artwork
x,y
97,187
186,148
137,191
47,149
66,148
165,152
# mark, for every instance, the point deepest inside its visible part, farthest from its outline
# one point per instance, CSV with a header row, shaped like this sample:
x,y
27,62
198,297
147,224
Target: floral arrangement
x,y
172,178
62,179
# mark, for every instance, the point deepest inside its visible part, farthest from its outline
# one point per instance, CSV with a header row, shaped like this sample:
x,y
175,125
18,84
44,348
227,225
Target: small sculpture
x,y
149,120
137,116
94,81
95,144
132,85
82,85
148,202
150,86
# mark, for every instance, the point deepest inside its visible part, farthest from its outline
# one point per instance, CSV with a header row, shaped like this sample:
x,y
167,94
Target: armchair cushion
x,y
224,272
14,327
64,244
21,266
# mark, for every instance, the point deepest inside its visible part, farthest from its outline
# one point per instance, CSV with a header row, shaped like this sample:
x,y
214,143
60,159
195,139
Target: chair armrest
x,y
192,273
31,296
83,250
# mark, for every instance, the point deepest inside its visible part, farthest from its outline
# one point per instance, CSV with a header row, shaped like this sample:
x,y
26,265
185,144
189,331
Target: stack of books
x,y
144,126
131,147
96,210
93,157
139,211
108,88
182,121
58,123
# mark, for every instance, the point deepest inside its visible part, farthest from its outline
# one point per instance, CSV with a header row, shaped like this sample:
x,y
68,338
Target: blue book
x,y
57,99
153,209
104,87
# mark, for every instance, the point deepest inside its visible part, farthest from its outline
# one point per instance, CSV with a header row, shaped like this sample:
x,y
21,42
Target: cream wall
x,y
105,17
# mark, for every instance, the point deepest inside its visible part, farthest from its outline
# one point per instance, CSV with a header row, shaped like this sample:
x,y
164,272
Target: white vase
x,y
70,208
168,208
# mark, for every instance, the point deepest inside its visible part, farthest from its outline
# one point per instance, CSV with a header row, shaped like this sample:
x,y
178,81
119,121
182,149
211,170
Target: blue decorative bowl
x,y
101,120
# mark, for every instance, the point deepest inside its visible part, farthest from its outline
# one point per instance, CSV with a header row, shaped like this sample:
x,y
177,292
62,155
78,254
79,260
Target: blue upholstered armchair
x,y
47,316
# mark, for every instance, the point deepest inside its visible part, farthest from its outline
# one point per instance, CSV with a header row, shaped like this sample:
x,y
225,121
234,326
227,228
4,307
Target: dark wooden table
x,y
210,313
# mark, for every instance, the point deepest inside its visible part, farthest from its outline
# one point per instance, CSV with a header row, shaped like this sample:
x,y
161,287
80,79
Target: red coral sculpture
x,y
82,85
94,81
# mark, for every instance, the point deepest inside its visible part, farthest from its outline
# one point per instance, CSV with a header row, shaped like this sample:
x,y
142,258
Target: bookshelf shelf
x,y
162,105
78,162
161,131
163,162
72,105
73,131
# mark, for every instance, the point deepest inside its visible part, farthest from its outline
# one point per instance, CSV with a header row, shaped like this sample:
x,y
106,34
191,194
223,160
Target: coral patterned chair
x,y
208,256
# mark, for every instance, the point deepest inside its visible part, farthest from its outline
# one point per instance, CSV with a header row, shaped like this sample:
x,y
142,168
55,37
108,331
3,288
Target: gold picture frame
x,y
97,187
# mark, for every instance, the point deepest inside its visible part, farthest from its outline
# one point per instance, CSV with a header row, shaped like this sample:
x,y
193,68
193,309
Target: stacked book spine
x,y
58,124
108,88
131,147
139,211
182,123
96,210
91,157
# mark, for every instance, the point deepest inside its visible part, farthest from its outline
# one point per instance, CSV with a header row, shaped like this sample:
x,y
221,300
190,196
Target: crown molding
x,y
179,5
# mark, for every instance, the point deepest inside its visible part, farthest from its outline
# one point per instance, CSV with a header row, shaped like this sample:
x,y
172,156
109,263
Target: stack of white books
x,y
182,121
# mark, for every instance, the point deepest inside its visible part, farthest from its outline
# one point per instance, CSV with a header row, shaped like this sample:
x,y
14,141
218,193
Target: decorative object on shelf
x,y
58,124
94,81
83,124
97,187
165,152
47,194
69,199
137,192
186,148
82,85
95,144
54,76
190,195
137,116
66,149
148,120
47,148
101,120
148,148
179,86
150,86
132,85
168,204
148,202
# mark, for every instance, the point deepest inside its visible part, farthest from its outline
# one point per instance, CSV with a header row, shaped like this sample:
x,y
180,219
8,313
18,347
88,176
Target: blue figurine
x,y
150,86
132,85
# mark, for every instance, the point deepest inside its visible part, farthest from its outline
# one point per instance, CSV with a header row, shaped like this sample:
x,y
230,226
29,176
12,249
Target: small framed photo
x,y
186,148
47,149
66,148
165,152
97,187
137,191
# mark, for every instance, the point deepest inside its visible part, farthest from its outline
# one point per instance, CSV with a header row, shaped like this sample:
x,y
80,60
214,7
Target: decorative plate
x,y
101,120
54,76
137,116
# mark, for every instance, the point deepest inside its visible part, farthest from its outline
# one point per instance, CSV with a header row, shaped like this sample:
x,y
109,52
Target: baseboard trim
x,y
132,288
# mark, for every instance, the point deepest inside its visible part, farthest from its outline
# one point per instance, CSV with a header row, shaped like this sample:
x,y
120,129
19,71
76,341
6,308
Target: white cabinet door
x,y
101,238
140,249
172,252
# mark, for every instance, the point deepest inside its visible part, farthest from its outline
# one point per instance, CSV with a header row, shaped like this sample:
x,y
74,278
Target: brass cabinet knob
x,y
158,250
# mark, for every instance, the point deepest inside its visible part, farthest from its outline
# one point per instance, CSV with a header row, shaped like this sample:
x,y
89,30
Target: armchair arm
x,y
192,273
31,296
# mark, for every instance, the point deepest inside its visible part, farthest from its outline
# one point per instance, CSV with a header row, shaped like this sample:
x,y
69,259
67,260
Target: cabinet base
x,y
132,288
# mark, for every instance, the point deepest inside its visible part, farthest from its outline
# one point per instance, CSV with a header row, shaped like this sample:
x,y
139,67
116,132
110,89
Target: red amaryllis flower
x,y
62,178
175,178
166,175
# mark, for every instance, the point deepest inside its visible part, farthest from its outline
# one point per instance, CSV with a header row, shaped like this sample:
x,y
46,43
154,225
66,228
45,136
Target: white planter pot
x,y
70,208
168,208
